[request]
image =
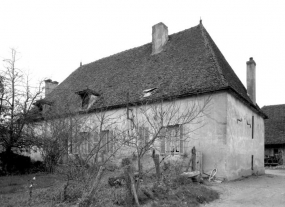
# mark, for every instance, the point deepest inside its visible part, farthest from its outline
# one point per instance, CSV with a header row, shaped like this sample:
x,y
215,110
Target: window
x,y
138,136
172,140
43,105
88,97
149,92
143,136
83,144
85,101
107,142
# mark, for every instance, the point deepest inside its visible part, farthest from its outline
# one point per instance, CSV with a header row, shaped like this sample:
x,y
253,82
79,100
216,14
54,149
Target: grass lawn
x,y
14,191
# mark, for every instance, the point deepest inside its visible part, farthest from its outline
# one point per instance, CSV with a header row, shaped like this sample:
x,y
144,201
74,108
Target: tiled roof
x,y
189,64
275,125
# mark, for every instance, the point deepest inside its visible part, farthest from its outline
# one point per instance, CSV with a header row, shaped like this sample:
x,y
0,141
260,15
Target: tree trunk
x,y
86,200
8,160
193,159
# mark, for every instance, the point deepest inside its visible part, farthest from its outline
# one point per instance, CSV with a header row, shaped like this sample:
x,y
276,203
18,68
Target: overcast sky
x,y
53,37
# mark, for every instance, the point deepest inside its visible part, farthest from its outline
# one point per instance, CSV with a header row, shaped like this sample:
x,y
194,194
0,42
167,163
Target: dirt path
x,y
267,191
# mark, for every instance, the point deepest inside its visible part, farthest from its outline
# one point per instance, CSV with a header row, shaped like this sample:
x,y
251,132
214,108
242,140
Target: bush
x,y
111,167
182,180
12,163
37,166
126,161
117,181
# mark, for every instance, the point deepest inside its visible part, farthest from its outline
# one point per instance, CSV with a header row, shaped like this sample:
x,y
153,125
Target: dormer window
x,y
88,97
43,105
148,92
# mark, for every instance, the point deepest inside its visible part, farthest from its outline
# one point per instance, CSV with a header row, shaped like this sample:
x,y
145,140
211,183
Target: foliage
x,y
18,164
52,150
126,161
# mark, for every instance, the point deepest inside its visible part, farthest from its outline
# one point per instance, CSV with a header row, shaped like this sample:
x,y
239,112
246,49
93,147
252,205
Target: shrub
x,y
37,166
111,167
126,161
14,163
182,180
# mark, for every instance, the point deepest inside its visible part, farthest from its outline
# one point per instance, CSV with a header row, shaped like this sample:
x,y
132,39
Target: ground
x,y
264,190
254,191
14,190
48,188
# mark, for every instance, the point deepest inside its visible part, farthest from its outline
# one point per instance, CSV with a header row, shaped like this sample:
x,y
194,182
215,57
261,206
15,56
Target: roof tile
x,y
190,63
275,125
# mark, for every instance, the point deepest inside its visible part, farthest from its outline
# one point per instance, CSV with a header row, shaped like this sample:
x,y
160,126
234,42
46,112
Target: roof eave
x,y
251,105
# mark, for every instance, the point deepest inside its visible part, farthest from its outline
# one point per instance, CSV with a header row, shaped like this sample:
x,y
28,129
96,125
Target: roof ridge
x,y
140,46
118,53
208,46
273,105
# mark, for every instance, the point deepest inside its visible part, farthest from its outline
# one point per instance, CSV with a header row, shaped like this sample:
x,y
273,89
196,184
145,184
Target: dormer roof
x,y
87,92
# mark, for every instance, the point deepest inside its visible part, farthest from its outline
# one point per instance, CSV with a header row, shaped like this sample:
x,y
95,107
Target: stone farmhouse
x,y
180,84
275,130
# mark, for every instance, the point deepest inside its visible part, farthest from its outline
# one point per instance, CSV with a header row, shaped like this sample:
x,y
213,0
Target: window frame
x,y
108,141
166,143
85,101
83,145
143,136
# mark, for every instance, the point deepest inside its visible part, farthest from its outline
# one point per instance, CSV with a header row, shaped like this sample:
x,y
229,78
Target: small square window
x,y
85,101
88,97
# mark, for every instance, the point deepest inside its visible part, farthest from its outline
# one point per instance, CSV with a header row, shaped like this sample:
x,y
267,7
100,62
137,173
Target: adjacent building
x,y
275,130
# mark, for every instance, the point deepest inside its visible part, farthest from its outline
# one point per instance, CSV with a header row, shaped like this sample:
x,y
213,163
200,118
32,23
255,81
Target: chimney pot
x,y
251,61
50,86
251,79
48,81
159,37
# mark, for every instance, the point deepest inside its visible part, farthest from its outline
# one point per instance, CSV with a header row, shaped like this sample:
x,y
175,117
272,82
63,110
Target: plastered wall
x,y
242,145
222,133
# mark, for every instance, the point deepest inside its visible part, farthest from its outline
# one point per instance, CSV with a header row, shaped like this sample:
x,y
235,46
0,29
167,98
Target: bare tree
x,y
17,98
164,127
96,138
85,142
76,136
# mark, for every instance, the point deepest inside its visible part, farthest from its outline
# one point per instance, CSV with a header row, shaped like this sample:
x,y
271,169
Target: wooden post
x,y
129,172
193,159
155,158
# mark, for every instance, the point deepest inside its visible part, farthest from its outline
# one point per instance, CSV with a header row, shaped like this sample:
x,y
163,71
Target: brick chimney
x,y
251,79
50,86
159,37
